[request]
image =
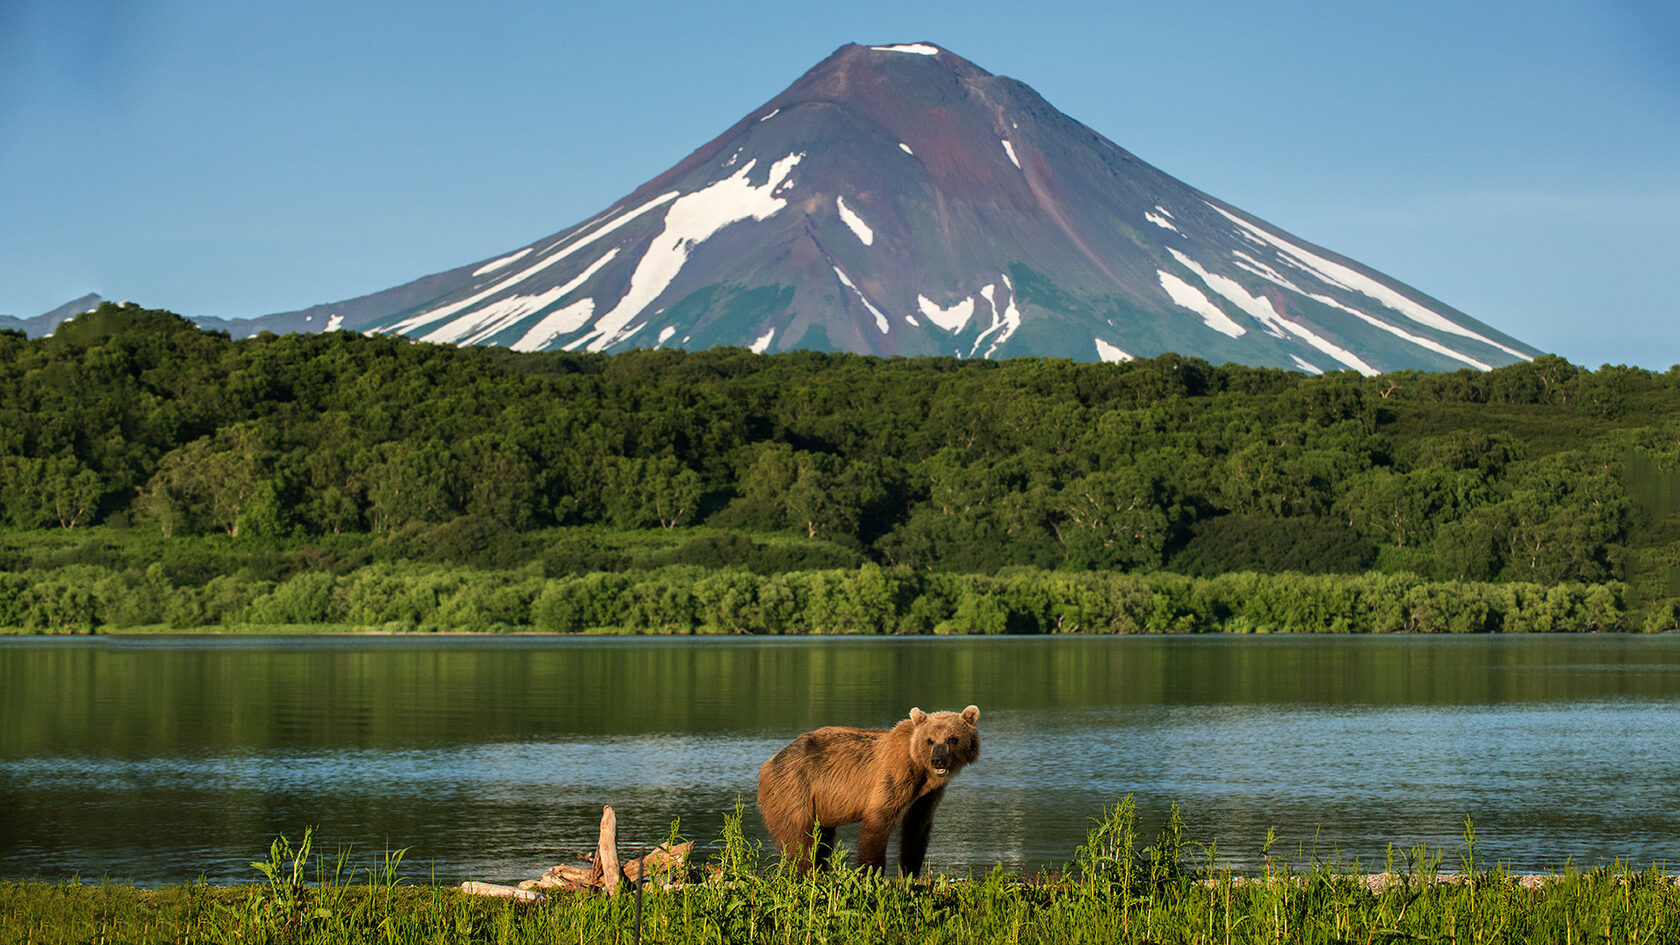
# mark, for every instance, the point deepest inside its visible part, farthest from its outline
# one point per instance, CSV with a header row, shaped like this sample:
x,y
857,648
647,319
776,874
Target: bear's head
x,y
942,743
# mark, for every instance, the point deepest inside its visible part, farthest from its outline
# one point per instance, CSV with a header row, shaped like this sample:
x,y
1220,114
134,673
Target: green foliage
x,y
731,583
305,597
486,459
1303,544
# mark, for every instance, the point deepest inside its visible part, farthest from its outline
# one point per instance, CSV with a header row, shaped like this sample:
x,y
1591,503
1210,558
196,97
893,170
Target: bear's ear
x,y
917,716
971,714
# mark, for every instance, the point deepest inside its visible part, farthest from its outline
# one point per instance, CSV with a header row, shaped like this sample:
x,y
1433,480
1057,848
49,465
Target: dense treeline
x,y
687,599
1538,474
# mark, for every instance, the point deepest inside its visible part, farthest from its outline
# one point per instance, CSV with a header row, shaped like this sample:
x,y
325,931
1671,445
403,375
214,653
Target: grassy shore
x,y
1112,892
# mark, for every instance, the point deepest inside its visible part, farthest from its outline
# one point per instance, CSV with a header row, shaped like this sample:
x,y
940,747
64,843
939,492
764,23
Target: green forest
x,y
153,474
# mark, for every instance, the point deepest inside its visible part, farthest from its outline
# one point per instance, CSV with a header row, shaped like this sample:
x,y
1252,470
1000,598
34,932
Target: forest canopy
x,y
1540,473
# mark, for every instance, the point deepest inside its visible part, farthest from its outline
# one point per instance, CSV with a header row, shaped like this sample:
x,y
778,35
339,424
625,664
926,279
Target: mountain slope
x,y
46,323
900,200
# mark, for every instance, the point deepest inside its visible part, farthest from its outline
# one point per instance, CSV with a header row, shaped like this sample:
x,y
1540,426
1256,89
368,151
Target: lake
x,y
160,759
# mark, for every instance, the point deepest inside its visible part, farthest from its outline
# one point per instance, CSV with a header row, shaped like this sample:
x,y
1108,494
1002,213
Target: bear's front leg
x,y
872,840
918,828
825,848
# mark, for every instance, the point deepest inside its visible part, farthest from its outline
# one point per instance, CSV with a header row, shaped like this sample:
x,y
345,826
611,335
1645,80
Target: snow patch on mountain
x,y
906,149
510,309
763,343
1307,366
691,220
1161,221
1266,314
1004,323
576,243
880,319
1010,150
1343,277
665,334
1259,309
481,324
855,222
561,322
1419,340
495,264
335,323
920,49
1110,353
1250,264
1188,296
1332,349
952,318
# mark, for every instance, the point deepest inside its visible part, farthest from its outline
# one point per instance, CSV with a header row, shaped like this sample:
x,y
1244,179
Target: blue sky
x,y
1517,160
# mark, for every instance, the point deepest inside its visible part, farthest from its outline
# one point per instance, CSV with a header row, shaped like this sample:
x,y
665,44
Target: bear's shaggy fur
x,y
836,776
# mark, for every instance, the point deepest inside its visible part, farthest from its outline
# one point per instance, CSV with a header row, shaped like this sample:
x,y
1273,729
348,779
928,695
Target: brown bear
x,y
836,776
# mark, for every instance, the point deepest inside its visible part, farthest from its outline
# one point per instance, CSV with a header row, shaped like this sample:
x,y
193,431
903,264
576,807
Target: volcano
x,y
900,200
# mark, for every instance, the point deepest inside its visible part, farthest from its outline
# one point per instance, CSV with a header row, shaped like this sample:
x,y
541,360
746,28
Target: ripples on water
x,y
162,761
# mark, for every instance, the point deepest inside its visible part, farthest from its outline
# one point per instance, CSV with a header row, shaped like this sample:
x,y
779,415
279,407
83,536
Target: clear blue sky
x,y
1518,160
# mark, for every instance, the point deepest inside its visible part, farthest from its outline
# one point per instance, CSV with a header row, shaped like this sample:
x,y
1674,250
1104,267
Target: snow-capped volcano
x,y
899,200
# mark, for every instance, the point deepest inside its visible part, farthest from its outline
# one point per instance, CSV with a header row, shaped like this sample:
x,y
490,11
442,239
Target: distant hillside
x,y
45,323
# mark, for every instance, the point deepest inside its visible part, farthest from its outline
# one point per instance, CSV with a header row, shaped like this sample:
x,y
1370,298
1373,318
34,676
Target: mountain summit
x,y
900,200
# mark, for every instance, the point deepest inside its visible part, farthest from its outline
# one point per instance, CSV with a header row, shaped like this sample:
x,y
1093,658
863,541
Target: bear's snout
x,y
941,758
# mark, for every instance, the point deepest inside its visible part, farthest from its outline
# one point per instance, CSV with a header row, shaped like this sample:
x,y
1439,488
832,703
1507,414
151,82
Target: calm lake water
x,y
161,759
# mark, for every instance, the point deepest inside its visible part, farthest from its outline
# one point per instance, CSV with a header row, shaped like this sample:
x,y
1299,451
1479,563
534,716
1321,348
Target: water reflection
x,y
161,759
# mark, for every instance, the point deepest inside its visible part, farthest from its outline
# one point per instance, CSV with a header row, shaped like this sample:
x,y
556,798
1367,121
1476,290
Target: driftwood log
x,y
502,892
603,869
606,852
663,859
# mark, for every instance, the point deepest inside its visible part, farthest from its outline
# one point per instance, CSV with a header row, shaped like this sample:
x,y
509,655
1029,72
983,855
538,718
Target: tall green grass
x,y
1112,891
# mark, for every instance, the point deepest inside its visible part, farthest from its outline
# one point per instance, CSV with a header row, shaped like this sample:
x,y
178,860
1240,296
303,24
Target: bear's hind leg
x,y
812,846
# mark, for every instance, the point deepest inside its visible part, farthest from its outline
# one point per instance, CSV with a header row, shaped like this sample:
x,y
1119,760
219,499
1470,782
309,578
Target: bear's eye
x,y
930,741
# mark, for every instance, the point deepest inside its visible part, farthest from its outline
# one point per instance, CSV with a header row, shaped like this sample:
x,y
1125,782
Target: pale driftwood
x,y
606,852
502,892
567,877
660,859
603,871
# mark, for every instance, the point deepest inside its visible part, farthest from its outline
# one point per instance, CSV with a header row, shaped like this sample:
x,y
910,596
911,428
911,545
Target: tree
x,y
1466,549
827,495
1117,519
499,482
209,482
1565,518
406,481
1406,508
640,492
57,490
